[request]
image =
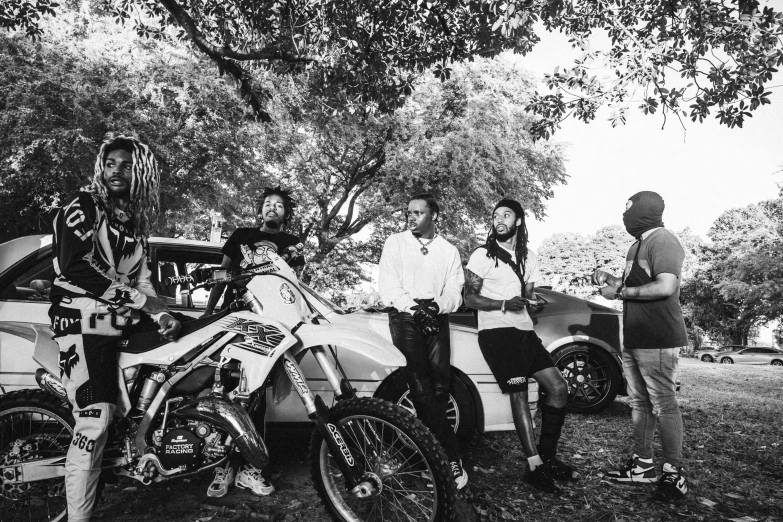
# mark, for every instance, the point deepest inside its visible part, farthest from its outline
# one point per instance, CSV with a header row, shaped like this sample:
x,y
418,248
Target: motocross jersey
x,y
98,255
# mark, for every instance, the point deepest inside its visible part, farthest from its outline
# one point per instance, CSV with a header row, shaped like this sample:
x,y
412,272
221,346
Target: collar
x,y
647,234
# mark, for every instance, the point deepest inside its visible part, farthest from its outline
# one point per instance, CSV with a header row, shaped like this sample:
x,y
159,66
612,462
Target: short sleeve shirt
x,y
251,246
500,282
660,323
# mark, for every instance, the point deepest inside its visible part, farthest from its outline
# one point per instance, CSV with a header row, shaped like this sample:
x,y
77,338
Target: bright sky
x,y
699,173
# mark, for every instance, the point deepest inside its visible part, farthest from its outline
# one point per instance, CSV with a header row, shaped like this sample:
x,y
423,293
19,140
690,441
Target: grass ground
x,y
733,453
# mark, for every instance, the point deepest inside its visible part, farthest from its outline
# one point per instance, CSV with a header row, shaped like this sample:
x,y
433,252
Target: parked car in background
x,y
712,354
762,355
584,338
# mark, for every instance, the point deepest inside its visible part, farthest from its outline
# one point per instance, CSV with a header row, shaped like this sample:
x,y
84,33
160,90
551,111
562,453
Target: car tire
x,y
776,362
707,358
727,360
592,376
461,410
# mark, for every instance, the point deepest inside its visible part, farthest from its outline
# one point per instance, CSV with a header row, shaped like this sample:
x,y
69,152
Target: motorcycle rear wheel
x,y
395,448
33,425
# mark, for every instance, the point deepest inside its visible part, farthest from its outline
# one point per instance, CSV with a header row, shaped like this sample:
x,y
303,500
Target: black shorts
x,y
513,355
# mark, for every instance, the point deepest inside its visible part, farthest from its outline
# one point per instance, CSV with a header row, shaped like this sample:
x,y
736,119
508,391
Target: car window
x,y
177,262
31,280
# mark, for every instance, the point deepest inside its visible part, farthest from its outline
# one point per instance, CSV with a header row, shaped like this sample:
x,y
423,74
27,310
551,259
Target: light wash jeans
x,y
651,376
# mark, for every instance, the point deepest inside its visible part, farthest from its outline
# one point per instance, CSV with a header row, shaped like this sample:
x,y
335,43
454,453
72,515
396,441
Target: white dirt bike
x,y
184,407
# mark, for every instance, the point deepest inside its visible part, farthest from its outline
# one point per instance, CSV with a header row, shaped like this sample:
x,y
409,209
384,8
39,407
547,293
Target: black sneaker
x,y
634,471
560,470
541,479
672,485
460,475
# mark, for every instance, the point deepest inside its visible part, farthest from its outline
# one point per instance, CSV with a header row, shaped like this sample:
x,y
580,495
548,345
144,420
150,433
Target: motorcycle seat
x,y
149,339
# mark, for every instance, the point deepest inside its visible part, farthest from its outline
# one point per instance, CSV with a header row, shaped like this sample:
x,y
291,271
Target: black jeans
x,y
428,372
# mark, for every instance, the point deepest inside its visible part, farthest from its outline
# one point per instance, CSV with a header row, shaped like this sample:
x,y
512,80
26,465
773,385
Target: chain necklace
x,y
424,249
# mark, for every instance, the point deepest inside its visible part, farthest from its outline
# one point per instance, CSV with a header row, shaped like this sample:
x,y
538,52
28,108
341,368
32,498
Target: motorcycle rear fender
x,y
363,342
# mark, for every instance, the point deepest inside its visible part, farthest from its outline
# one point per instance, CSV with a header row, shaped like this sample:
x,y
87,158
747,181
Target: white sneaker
x,y
460,475
251,478
223,478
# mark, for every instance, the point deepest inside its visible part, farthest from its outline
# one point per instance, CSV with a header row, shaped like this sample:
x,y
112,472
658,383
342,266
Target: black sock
x,y
552,420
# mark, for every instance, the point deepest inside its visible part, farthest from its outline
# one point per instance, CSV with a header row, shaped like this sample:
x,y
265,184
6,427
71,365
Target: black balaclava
x,y
645,214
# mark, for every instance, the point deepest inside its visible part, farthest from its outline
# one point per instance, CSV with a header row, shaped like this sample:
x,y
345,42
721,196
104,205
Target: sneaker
x,y
541,479
672,485
635,470
560,470
251,478
460,475
223,478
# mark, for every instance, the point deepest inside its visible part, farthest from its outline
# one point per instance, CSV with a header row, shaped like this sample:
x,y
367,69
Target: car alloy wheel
x,y
727,360
460,410
777,362
592,376
707,358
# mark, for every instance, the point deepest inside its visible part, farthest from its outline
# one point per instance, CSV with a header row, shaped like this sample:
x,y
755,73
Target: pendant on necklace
x,y
424,250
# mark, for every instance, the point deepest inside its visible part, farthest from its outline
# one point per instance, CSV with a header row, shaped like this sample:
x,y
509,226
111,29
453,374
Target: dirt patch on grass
x,y
733,453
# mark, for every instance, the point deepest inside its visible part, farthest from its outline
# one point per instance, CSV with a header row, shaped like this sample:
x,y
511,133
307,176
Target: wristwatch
x,y
619,294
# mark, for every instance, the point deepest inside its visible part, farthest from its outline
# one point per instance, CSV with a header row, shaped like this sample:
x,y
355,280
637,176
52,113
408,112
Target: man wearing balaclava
x,y
654,332
101,281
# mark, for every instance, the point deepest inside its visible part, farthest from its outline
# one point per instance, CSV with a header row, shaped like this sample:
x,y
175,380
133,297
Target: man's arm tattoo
x,y
473,283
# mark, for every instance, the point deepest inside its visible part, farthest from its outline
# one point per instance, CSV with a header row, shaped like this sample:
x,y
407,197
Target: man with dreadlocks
x,y
101,282
247,247
420,275
499,282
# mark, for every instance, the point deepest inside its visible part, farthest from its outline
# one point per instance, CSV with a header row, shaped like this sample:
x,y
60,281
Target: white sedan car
x,y
583,337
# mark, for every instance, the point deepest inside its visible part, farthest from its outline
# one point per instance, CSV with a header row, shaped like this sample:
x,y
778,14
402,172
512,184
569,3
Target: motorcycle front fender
x,y
361,341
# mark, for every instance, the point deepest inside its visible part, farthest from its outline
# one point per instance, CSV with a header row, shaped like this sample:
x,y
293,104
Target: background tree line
x,y
466,138
731,283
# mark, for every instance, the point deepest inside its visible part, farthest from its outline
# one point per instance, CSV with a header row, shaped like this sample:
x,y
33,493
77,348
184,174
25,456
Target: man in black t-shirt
x,y
251,246
246,247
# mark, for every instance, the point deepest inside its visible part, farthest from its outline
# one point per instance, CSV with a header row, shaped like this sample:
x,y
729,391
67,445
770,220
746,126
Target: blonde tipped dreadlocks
x,y
144,197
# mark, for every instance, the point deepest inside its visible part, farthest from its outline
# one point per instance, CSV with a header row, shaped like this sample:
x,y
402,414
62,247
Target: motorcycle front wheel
x,y
394,449
33,425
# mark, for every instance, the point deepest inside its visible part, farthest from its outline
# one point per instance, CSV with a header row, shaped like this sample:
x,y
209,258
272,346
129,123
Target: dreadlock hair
x,y
289,203
144,196
521,248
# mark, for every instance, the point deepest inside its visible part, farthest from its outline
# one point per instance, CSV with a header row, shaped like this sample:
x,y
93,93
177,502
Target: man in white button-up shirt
x,y
420,275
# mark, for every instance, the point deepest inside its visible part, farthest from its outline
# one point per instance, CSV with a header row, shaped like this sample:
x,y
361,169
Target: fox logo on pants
x,y
68,360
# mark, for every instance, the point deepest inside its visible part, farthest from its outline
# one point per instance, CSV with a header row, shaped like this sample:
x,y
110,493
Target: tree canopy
x,y
738,283
686,58
90,79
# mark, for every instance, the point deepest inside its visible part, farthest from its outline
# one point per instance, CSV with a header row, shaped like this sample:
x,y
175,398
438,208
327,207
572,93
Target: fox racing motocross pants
x,y
87,337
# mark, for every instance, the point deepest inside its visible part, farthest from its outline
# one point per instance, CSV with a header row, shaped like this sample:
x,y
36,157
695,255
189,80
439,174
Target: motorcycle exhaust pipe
x,y
232,418
48,382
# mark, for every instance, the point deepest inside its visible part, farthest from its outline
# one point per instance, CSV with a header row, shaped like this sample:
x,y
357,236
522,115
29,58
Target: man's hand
x,y
426,317
516,304
609,291
154,305
169,327
600,277
535,305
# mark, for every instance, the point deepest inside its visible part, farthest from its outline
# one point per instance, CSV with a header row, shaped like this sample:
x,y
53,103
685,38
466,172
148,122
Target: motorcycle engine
x,y
180,447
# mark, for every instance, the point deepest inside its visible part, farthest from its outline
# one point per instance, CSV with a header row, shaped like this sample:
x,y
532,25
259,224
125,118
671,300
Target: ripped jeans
x,y
651,376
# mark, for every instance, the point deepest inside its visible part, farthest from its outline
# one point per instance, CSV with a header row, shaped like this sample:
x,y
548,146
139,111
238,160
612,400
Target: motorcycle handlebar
x,y
246,273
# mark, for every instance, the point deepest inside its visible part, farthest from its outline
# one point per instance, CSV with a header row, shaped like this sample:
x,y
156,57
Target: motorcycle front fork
x,y
319,413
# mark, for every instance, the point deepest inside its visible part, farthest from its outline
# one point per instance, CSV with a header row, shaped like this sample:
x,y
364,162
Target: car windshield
x,y
324,301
